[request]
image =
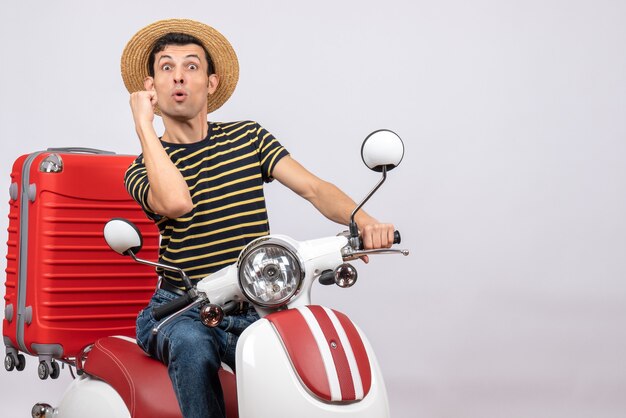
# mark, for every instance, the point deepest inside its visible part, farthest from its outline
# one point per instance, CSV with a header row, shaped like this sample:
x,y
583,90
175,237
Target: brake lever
x,y
348,253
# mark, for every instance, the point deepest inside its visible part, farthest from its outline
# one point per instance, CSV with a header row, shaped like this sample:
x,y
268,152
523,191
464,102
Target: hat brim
x,y
134,64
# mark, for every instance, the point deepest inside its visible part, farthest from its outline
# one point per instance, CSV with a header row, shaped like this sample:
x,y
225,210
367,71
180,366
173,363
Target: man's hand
x,y
377,235
168,194
374,234
142,104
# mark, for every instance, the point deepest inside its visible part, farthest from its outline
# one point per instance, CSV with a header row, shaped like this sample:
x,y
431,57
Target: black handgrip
x,y
327,277
396,237
172,306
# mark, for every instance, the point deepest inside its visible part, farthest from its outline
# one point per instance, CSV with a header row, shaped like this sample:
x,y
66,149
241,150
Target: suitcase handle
x,y
81,150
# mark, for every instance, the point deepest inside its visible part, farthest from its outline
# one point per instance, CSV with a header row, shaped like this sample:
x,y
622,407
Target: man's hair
x,y
177,39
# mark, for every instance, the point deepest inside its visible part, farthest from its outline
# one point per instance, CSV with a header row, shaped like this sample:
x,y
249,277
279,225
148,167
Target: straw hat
x,y
136,53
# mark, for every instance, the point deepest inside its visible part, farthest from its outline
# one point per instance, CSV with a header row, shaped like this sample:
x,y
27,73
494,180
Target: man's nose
x,y
178,77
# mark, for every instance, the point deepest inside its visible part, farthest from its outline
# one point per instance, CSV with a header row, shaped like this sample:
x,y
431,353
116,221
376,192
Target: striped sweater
x,y
225,174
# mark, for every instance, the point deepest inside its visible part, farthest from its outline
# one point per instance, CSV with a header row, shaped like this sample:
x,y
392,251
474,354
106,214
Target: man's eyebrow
x,y
186,56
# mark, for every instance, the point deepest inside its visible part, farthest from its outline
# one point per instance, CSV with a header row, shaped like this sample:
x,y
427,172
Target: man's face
x,y
181,81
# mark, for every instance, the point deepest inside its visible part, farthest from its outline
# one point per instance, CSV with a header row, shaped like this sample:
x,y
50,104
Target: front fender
x,y
285,370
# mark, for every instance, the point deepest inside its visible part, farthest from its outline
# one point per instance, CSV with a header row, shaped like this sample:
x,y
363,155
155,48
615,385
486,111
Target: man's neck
x,y
185,132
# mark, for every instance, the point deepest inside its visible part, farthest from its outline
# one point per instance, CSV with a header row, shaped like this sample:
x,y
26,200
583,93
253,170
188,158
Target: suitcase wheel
x,y
11,362
56,370
45,370
21,362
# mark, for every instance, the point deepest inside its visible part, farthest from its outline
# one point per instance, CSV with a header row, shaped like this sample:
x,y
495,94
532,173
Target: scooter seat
x,y
143,382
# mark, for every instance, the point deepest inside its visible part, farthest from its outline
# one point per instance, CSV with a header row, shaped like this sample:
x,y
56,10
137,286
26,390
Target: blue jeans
x,y
193,354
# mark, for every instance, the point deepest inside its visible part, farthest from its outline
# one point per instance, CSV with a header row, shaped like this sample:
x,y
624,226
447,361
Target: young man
x,y
202,184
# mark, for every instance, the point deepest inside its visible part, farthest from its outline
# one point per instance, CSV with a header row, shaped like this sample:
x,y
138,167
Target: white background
x,y
511,196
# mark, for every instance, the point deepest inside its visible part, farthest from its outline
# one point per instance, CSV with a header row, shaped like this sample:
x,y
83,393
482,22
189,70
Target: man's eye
x,y
193,67
166,67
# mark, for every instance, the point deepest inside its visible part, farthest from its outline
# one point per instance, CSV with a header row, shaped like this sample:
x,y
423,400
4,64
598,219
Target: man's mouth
x,y
179,95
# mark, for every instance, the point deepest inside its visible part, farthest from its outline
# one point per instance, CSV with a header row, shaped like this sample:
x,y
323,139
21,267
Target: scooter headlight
x,y
270,273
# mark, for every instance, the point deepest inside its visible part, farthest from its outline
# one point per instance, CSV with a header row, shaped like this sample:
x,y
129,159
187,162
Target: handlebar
x,y
172,306
326,278
354,250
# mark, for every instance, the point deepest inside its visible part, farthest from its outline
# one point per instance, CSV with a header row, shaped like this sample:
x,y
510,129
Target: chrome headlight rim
x,y
277,242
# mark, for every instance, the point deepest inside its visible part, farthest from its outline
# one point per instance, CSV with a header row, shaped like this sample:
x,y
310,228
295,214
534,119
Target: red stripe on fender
x,y
358,348
302,350
338,352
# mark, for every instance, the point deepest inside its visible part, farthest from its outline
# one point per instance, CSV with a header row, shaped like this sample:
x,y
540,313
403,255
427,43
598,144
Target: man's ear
x,y
214,81
148,83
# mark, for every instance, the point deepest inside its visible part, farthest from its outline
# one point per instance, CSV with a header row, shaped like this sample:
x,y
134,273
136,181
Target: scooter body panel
x,y
93,398
269,386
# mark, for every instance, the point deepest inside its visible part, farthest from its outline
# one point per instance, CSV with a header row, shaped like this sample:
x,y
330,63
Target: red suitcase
x,y
65,288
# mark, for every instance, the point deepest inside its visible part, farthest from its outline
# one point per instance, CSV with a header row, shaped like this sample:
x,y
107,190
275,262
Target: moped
x,y
298,360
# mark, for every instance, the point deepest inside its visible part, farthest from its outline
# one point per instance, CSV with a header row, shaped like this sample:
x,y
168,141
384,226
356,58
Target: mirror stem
x,y
354,229
182,273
